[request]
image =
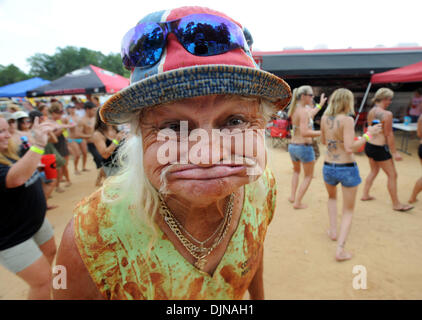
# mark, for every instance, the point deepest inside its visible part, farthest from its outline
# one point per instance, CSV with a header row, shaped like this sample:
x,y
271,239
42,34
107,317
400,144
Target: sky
x,y
40,26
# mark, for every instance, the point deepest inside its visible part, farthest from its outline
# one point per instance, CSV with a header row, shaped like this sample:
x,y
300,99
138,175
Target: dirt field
x,y
299,256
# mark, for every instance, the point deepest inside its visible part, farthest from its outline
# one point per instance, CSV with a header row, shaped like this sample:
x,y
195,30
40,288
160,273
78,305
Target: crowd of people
x,y
337,132
180,229
37,143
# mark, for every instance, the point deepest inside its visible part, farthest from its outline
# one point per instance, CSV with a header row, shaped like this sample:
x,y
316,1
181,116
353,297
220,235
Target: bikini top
x,y
310,126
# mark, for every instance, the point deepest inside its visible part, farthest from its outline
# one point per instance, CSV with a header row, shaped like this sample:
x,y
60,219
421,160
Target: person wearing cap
x,y
27,246
187,215
20,129
22,119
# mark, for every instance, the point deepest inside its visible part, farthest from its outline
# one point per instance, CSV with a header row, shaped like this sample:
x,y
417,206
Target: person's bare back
x,y
386,119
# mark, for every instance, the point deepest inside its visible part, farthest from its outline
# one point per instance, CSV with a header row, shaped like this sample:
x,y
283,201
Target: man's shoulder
x,y
79,282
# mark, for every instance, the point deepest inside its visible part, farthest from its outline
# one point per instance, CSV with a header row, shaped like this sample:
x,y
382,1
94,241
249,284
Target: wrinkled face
x,y
4,134
204,148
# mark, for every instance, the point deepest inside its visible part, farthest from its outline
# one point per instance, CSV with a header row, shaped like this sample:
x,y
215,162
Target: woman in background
x,y
27,246
337,133
300,148
107,140
418,185
378,150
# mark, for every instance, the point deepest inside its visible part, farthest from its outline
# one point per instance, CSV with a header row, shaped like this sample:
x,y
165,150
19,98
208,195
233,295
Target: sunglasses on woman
x,y
199,34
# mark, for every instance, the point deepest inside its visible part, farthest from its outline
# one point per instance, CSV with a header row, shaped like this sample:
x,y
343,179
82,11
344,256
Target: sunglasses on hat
x,y
199,34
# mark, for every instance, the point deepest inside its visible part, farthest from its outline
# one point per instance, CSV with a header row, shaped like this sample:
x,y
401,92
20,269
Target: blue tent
x,y
19,89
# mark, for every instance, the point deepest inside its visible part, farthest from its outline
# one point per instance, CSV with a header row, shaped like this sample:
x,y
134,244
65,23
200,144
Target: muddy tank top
x,y
113,244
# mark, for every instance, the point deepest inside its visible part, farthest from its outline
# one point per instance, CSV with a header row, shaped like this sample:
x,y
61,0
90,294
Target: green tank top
x,y
113,244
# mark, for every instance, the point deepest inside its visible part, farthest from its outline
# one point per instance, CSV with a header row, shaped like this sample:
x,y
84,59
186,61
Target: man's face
x,y
90,112
212,144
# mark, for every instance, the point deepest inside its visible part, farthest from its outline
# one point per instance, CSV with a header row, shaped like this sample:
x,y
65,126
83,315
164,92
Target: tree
x,y
71,58
11,74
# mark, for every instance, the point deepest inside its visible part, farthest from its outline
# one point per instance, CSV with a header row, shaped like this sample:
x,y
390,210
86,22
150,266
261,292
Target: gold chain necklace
x,y
199,253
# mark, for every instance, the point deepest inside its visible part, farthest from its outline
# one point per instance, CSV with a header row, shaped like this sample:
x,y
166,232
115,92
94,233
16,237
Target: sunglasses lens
x,y
207,35
142,46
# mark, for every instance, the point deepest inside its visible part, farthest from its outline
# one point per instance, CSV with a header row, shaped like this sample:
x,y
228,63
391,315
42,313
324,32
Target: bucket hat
x,y
179,75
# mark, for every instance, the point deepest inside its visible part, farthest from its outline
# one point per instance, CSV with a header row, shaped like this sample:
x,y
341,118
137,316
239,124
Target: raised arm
x,y
318,106
25,167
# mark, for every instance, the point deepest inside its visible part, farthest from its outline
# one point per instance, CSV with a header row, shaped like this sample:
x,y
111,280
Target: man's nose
x,y
205,147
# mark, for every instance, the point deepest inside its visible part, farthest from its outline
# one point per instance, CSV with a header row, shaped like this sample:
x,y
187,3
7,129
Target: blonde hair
x,y
12,107
341,100
381,94
296,95
132,184
10,153
55,107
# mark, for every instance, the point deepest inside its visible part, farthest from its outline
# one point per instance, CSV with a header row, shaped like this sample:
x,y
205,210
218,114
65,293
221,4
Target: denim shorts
x,y
301,152
345,173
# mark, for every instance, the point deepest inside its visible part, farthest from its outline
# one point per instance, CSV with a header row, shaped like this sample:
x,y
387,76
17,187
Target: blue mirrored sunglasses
x,y
200,35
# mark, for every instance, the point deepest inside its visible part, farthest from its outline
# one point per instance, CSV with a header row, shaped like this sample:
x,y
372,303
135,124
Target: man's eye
x,y
235,121
175,126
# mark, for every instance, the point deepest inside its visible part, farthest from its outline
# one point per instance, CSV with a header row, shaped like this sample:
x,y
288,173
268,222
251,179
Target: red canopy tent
x,y
410,73
87,80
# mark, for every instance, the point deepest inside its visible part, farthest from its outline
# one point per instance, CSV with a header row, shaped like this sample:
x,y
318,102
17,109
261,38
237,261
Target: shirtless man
x,y
378,151
88,124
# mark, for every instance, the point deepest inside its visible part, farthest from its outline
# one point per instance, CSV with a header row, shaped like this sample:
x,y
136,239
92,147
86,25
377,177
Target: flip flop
x,y
404,209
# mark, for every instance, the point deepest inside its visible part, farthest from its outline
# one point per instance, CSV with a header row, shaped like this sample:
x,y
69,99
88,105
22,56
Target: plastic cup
x,y
49,161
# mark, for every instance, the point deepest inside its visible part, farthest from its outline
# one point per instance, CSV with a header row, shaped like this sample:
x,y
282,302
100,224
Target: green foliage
x,y
71,58
65,60
11,74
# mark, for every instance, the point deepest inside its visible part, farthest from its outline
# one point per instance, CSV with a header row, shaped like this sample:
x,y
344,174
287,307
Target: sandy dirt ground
x,y
299,256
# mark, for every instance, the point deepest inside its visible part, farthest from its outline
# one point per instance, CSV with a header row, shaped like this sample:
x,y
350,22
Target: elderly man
x,y
186,218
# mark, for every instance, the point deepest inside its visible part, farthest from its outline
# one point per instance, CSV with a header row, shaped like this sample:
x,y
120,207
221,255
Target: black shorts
x,y
378,153
420,151
98,159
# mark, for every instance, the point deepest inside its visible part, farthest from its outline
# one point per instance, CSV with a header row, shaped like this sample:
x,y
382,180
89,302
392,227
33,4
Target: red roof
x,y
351,50
410,73
113,82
